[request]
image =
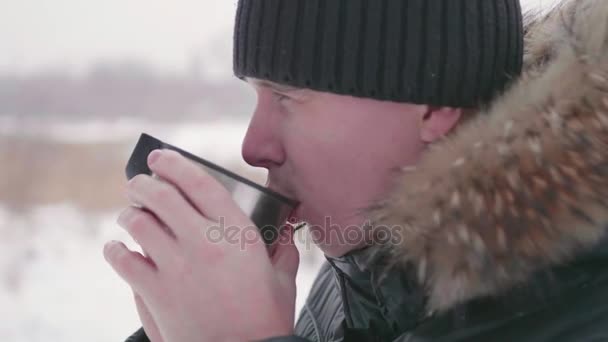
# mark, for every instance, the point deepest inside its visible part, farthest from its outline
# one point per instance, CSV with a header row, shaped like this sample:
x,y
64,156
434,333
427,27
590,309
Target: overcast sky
x,y
75,33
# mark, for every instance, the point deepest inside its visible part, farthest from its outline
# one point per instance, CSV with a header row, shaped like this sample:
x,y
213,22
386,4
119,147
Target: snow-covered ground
x,y
59,287
56,285
54,282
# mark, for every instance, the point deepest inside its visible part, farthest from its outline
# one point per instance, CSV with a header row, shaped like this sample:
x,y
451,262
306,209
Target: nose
x,y
262,146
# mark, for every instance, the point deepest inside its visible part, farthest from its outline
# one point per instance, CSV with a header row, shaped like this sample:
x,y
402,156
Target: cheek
x,y
343,166
333,180
317,168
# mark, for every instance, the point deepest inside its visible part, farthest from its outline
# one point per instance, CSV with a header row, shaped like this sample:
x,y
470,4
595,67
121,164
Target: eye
x,y
281,97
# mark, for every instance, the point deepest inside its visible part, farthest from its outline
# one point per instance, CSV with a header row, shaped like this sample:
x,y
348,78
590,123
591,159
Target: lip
x,y
294,219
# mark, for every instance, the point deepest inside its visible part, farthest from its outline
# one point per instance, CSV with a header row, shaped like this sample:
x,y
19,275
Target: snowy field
x,y
54,282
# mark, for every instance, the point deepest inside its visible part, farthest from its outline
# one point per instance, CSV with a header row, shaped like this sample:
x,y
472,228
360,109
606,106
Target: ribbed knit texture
x,y
456,53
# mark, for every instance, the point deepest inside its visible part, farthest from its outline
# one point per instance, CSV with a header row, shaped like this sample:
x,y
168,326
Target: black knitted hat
x,y
441,52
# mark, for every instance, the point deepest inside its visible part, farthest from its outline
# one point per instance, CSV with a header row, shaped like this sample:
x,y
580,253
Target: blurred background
x,y
79,81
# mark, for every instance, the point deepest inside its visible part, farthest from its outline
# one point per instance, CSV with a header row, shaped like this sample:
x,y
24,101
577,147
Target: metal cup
x,y
267,209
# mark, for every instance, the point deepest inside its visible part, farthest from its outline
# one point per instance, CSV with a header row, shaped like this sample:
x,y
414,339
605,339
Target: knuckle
x,y
212,253
134,183
139,223
200,182
205,183
162,193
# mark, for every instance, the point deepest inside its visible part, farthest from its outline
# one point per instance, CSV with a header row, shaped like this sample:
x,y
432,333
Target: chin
x,y
329,242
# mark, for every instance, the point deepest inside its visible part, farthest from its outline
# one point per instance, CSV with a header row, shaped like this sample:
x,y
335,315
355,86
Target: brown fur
x,y
523,187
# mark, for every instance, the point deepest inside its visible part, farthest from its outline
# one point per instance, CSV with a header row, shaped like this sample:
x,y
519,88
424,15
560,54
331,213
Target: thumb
x,y
286,257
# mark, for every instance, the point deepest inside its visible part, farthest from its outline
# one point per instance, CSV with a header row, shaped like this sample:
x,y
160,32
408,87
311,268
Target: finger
x,y
205,193
144,314
131,266
146,319
286,257
149,233
168,204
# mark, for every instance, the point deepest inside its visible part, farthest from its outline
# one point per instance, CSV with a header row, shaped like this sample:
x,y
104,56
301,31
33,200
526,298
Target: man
x,y
497,234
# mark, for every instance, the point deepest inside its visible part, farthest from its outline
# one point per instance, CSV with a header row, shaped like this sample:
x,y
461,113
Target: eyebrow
x,y
272,85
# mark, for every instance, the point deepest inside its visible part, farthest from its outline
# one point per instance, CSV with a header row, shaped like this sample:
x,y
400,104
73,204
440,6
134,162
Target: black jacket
x,y
500,232
566,303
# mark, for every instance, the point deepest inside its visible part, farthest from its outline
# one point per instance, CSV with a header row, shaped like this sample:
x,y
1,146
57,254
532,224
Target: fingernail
x,y
153,157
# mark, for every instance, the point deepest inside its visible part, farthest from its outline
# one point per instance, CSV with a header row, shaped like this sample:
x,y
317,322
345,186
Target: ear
x,y
437,122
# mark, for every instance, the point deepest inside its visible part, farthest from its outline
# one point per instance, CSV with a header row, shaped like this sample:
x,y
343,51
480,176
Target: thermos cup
x,y
267,209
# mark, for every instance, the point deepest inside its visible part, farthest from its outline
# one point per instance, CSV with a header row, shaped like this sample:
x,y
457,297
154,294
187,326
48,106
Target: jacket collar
x,y
386,307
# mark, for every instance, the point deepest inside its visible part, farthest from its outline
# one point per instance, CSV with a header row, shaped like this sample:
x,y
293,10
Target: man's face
x,y
334,154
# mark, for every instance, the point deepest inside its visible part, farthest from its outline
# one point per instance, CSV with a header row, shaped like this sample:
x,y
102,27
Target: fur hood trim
x,y
521,187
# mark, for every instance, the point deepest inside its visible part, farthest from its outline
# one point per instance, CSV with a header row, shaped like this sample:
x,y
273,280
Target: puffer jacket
x,y
502,228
